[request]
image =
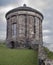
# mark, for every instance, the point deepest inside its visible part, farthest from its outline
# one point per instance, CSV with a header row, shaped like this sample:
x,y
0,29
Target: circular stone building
x,y
24,27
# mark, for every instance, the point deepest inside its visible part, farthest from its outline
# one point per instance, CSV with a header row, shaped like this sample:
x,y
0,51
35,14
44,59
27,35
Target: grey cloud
x,y
8,2
49,39
2,30
5,2
2,26
49,46
48,18
48,26
48,34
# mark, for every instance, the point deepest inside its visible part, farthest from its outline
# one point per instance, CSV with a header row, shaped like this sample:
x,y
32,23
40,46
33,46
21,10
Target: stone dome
x,y
24,8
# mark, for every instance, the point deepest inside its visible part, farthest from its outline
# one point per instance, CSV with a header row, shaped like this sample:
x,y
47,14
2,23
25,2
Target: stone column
x,y
40,31
17,29
34,28
9,29
37,28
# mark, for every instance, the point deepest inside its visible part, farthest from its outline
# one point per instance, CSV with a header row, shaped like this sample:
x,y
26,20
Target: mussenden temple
x,y
24,28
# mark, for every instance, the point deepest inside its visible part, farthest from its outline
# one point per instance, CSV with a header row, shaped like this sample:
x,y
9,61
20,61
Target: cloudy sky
x,y
44,6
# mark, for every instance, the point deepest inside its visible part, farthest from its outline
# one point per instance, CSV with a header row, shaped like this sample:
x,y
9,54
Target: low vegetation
x,y
17,56
49,53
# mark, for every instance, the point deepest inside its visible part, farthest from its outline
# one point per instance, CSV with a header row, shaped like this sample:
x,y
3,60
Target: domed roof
x,y
23,8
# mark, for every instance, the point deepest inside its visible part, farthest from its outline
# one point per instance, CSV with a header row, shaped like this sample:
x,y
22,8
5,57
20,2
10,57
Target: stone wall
x,y
48,62
28,26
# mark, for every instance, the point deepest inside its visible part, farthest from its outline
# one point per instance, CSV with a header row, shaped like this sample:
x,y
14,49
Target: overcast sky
x,y
44,6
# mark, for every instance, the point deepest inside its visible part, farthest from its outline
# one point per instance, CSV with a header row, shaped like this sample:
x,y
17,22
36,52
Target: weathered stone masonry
x,y
24,27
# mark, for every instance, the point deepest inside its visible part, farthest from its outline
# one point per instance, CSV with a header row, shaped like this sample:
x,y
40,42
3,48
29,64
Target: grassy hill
x,y
17,56
49,53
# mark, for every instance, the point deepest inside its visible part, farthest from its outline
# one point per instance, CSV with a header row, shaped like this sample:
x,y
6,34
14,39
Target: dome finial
x,y
24,5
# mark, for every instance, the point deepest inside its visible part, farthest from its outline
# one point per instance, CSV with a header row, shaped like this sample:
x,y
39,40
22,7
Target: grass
x,y
49,53
17,56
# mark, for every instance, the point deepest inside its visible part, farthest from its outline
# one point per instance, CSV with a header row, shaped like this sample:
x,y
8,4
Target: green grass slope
x,y
17,56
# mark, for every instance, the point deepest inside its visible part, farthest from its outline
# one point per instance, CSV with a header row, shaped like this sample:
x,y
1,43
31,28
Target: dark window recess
x,y
34,26
25,25
12,44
